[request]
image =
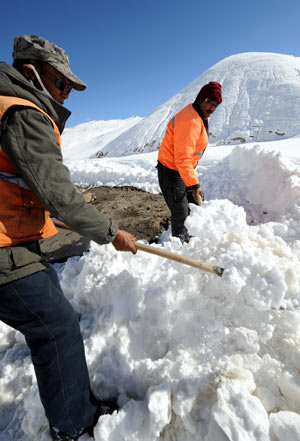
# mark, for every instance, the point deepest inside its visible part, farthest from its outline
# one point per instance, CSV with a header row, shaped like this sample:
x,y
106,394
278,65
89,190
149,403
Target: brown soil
x,y
143,214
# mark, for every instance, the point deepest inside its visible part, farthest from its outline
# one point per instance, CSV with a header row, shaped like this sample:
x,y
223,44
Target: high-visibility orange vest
x,y
23,217
184,143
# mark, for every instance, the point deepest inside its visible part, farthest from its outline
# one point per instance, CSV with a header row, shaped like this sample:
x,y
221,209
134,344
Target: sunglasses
x,y
211,103
60,83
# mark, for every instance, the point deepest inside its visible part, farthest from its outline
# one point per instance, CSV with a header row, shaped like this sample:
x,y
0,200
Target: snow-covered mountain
x,y
89,138
261,102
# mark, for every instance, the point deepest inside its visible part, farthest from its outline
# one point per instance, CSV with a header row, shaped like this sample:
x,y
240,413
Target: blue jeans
x,y
35,306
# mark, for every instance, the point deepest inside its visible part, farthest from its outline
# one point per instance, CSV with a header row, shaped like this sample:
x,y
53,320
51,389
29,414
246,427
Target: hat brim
x,y
77,84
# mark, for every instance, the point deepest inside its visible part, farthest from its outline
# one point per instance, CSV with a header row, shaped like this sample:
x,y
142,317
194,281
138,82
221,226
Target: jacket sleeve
x,y
29,141
186,135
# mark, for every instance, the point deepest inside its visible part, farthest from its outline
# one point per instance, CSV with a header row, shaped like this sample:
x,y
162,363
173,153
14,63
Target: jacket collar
x,y
13,83
196,106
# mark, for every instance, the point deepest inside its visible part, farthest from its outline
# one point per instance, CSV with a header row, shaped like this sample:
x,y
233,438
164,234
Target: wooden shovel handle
x,y
218,271
60,224
180,258
199,199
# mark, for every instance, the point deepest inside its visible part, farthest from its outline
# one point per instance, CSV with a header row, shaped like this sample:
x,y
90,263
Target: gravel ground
x,y
143,214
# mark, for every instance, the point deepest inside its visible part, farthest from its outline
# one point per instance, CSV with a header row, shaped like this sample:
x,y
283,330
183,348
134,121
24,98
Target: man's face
x,y
56,83
208,107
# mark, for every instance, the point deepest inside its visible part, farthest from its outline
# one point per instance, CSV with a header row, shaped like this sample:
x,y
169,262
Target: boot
x,y
102,408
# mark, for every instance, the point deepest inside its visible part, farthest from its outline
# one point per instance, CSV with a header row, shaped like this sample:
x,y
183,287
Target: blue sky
x,y
134,55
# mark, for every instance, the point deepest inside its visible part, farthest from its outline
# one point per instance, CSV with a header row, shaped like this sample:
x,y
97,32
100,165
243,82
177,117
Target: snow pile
x,y
190,356
267,184
137,170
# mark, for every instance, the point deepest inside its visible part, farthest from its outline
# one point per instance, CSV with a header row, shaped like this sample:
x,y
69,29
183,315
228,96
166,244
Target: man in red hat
x,y
184,143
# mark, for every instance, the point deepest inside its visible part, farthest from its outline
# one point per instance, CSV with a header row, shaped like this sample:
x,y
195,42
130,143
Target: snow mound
x,y
189,355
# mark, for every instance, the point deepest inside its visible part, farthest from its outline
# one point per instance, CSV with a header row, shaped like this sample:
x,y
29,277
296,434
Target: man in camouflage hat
x,y
32,47
34,182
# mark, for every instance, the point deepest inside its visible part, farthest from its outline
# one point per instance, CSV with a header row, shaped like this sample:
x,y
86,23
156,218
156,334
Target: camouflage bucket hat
x,y
37,48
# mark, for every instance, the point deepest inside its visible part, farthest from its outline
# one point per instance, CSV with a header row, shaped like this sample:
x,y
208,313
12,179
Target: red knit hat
x,y
212,91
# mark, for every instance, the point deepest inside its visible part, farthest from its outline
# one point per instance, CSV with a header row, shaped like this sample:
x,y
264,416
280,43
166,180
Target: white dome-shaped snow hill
x,y
261,102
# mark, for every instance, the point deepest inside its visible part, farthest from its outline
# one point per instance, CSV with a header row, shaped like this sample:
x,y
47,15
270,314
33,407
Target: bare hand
x,y
124,241
198,195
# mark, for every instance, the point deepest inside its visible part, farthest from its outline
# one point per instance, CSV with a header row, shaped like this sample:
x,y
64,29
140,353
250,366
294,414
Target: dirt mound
x,y
143,214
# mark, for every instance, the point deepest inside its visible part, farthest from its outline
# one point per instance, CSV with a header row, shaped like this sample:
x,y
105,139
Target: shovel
x,y
218,271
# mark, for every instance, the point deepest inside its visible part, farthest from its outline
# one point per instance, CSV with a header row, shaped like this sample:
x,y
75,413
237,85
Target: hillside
x,y
261,102
87,138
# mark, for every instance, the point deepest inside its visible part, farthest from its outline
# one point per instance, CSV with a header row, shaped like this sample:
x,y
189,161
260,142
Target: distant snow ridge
x,y
88,139
261,102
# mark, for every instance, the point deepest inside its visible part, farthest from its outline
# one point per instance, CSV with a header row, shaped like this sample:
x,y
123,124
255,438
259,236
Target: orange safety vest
x,y
184,143
23,217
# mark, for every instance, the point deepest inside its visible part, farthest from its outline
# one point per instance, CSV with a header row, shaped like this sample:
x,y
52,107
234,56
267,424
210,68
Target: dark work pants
x,y
35,305
177,198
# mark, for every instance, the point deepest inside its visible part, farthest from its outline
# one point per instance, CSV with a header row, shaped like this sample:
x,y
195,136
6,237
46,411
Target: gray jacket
x,y
28,139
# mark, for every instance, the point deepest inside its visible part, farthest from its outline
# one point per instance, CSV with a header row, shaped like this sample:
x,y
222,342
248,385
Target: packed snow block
x,y
289,385
285,426
240,415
